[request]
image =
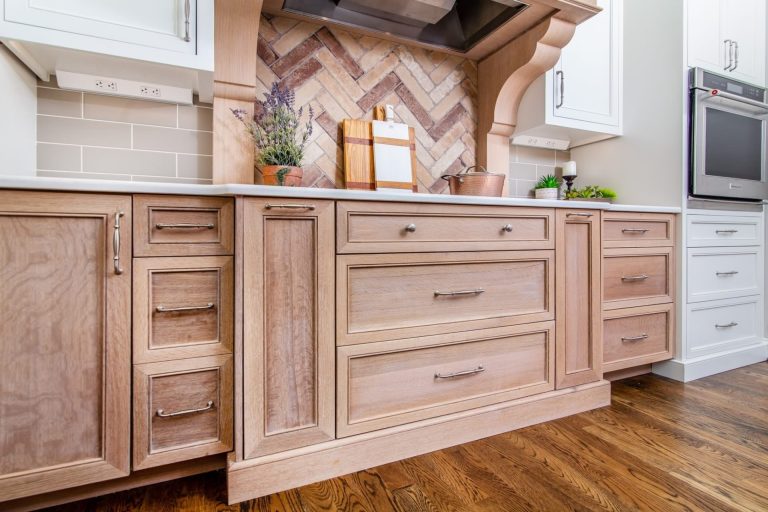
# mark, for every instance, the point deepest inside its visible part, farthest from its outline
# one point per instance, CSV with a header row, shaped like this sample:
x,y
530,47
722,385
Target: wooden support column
x,y
234,86
503,78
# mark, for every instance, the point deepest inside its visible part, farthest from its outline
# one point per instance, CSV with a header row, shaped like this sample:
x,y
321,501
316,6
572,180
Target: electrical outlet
x,y
109,85
148,90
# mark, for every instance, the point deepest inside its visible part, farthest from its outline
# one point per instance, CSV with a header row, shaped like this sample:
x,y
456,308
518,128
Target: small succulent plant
x,y
548,181
590,192
275,127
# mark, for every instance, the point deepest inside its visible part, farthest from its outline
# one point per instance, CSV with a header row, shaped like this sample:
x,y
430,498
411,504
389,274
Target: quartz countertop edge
x,y
139,187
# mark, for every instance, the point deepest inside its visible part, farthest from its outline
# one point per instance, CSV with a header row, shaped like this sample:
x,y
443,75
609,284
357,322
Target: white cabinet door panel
x,y
156,24
705,44
719,326
724,231
744,22
723,273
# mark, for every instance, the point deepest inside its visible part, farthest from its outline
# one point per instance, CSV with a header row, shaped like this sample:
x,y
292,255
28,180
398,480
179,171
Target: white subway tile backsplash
x,y
67,130
176,141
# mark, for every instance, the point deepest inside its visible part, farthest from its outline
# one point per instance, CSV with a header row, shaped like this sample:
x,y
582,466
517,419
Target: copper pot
x,y
478,183
283,175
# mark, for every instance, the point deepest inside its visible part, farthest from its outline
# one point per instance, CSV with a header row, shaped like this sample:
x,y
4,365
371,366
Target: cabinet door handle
x,y
726,231
184,225
187,9
579,214
507,228
635,338
562,88
163,414
728,55
289,206
635,230
724,326
728,273
473,371
116,244
476,291
641,277
735,56
163,309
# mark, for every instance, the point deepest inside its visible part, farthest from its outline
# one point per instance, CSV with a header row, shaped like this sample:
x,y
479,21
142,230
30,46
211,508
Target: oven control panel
x,y
712,81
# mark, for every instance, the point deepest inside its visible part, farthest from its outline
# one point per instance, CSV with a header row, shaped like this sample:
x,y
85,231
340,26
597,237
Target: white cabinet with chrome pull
x,y
728,37
579,101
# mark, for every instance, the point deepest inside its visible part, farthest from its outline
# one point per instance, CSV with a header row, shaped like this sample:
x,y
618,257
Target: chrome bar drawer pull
x,y
635,338
635,230
726,231
641,277
163,309
572,214
473,371
476,291
724,326
116,244
729,273
184,225
163,414
289,206
410,228
507,228
187,12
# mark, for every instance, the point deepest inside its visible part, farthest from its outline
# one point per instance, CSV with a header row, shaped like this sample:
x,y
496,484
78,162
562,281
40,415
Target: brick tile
x,y
282,66
387,84
266,30
312,173
330,126
468,158
325,182
422,58
295,36
302,73
264,51
307,92
446,86
423,138
264,74
415,107
470,107
407,60
439,186
348,42
448,102
339,94
375,54
382,69
447,158
368,42
413,84
338,51
452,117
444,69
447,140
339,73
283,25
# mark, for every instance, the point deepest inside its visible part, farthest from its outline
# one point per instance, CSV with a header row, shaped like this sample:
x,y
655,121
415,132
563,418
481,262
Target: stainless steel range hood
x,y
453,24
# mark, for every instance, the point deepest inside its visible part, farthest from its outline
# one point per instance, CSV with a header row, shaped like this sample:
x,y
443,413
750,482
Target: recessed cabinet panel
x,y
637,277
636,336
288,330
64,340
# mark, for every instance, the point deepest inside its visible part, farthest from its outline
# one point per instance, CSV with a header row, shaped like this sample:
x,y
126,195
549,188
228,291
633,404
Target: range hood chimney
x,y
411,12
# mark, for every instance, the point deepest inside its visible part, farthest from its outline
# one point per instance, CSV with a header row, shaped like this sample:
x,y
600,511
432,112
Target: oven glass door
x,y
733,145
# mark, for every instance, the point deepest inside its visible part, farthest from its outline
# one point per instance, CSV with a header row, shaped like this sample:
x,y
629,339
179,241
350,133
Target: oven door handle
x,y
722,94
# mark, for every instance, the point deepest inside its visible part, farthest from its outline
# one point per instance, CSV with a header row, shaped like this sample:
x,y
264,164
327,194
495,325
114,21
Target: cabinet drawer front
x,y
391,383
723,230
636,336
183,307
723,325
637,229
182,410
637,277
183,226
720,274
384,297
397,227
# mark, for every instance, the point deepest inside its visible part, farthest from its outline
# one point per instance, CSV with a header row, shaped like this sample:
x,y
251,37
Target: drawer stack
x,y
440,309
182,328
638,289
725,282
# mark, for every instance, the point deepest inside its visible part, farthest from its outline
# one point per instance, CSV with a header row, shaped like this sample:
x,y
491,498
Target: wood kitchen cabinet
x,y
65,345
578,356
288,318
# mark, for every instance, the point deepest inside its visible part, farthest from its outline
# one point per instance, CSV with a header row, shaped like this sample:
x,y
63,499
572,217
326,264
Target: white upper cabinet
x,y
579,101
174,32
584,84
728,37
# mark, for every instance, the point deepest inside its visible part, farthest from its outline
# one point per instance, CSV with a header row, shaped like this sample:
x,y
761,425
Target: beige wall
x,y
18,104
645,166
82,135
527,164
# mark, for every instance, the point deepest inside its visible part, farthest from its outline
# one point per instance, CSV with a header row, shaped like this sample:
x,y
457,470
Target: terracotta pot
x,y
283,175
546,193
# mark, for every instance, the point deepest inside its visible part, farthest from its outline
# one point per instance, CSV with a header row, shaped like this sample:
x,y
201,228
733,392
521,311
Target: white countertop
x,y
137,187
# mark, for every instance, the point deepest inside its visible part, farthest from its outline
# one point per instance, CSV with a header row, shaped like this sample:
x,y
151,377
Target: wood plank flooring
x,y
661,445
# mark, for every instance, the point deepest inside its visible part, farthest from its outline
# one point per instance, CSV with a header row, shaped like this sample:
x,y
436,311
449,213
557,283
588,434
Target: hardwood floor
x,y
661,445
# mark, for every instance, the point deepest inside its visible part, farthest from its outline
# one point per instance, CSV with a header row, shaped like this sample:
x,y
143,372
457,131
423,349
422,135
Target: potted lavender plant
x,y
275,129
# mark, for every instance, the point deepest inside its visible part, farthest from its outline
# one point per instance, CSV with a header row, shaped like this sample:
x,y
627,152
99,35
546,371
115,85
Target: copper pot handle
x,y
447,177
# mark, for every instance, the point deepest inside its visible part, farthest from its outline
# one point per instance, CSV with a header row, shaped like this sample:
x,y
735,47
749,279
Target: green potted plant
x,y
547,187
591,193
278,136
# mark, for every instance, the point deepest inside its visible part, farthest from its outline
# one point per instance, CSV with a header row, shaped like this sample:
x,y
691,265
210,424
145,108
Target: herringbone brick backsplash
x,y
343,75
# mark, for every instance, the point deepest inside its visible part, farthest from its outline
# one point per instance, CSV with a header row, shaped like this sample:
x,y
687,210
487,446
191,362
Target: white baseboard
x,y
692,369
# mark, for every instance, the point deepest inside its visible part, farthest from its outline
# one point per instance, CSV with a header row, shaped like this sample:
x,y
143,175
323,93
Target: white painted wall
x,y
18,117
645,165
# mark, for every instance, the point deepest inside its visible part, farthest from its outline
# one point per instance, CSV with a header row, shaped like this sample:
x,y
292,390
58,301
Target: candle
x,y
569,168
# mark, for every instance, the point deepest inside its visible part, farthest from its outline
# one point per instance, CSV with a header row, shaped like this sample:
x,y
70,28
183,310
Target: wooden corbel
x,y
503,78
234,87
